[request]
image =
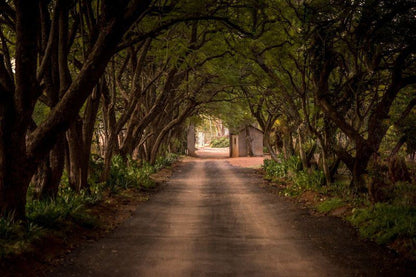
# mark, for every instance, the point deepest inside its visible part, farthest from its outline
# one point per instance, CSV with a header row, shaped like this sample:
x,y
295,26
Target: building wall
x,y
257,142
242,146
238,145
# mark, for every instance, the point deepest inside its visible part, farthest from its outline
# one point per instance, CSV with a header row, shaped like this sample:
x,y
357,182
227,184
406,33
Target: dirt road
x,y
212,219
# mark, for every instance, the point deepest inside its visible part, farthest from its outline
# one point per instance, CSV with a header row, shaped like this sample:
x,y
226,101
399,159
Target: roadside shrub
x,y
165,161
9,229
68,206
96,166
289,168
385,222
134,175
293,164
336,189
48,213
309,181
119,174
16,236
55,213
404,193
71,207
220,142
84,219
275,169
86,197
143,175
123,174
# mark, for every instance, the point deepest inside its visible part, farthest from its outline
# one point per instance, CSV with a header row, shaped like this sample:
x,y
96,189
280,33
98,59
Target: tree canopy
x,y
83,78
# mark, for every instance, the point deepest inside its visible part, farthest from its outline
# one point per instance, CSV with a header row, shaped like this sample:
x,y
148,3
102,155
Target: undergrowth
x,y
67,207
44,216
392,222
132,174
16,236
384,222
129,174
289,171
165,161
71,207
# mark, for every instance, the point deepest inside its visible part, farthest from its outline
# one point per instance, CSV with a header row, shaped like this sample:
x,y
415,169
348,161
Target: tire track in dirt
x,y
171,253
212,219
218,249
244,236
154,242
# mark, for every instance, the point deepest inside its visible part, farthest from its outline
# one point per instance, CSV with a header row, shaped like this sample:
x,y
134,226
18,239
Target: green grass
x,y
329,205
134,175
67,206
275,169
43,217
16,236
392,222
308,181
289,171
70,207
165,161
384,222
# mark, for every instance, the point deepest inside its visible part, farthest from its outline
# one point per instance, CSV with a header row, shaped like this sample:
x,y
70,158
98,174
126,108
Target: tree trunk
x,y
249,143
310,153
110,130
325,167
53,171
287,145
14,181
302,153
79,140
75,152
89,120
191,140
398,145
359,168
16,106
111,145
21,151
13,195
165,130
334,168
266,141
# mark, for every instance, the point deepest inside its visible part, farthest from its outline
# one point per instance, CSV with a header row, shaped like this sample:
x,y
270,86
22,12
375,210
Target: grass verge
x,y
54,225
391,223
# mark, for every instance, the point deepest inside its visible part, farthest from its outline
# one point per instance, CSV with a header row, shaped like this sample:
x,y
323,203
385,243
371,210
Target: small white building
x,y
248,141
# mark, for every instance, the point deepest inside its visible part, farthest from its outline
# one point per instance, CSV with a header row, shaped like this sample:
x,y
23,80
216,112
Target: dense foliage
x,y
220,142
